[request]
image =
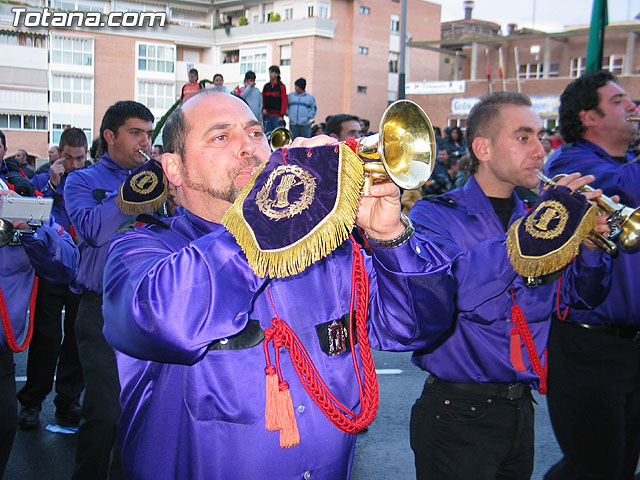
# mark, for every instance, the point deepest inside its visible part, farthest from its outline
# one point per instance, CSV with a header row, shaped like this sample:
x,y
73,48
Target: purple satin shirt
x,y
614,177
94,218
51,254
472,235
190,412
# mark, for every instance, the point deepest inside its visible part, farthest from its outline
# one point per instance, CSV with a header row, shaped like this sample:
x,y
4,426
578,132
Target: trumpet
x,y
403,151
623,221
280,137
405,146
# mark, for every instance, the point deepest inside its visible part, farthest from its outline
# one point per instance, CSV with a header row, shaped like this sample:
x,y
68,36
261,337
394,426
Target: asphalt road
x,y
382,453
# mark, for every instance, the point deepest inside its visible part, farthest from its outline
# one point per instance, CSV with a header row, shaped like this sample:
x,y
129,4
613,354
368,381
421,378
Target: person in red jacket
x,y
274,99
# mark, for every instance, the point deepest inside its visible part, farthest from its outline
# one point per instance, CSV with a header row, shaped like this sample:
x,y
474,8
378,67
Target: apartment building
x,y
536,63
348,50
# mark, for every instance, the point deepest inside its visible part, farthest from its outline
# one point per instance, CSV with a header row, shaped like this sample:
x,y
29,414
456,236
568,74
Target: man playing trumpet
x,y
475,416
594,356
204,394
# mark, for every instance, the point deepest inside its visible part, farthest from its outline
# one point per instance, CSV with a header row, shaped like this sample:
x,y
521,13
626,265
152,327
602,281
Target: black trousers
x,y
459,435
48,348
8,407
594,403
97,454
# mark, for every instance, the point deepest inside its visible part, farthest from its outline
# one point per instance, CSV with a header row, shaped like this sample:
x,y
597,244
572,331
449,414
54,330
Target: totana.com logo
x,y
47,18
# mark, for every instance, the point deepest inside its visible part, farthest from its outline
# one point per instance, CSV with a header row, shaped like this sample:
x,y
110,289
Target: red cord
x,y
519,320
336,412
6,321
561,316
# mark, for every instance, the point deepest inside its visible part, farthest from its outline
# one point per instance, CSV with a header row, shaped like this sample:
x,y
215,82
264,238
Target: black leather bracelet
x,y
409,230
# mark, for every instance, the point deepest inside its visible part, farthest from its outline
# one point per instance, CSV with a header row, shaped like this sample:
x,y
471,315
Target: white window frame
x,y
162,95
577,67
71,90
20,117
255,59
80,52
365,10
151,57
394,24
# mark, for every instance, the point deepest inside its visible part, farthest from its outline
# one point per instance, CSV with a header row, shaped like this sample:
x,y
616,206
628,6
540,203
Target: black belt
x,y
501,390
629,333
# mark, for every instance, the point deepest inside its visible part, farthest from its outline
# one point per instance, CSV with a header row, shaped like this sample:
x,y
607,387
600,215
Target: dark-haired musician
x,y
594,356
474,419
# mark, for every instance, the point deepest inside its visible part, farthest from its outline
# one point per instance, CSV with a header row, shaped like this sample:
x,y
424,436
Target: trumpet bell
x,y
629,238
405,147
280,137
408,144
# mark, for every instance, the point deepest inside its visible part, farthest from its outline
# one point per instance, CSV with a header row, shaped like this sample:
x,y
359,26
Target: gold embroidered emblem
x,y
143,182
547,221
285,178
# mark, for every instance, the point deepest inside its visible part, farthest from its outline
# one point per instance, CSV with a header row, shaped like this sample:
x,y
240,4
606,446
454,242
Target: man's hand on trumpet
x,y
575,182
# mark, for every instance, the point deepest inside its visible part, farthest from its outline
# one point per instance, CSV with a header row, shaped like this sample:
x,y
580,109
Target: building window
x,y
530,70
156,58
71,90
285,55
365,10
614,64
253,59
8,38
323,11
393,65
310,11
577,67
158,96
288,13
72,51
362,89
231,56
23,122
554,69
80,5
395,24
363,50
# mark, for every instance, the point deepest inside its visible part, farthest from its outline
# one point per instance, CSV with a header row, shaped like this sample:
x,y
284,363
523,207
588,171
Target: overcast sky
x,y
545,15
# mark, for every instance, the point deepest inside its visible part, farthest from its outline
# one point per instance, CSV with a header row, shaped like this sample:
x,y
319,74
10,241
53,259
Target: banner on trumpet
x,y
549,236
299,208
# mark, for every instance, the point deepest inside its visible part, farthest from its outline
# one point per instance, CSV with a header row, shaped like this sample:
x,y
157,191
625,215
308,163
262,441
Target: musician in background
x,y
49,351
475,416
50,254
594,356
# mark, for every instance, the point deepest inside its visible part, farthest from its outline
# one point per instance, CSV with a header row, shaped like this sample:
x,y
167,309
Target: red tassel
x,y
515,353
289,434
271,410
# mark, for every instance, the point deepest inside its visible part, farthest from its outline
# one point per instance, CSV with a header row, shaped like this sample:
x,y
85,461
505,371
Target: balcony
x,y
260,32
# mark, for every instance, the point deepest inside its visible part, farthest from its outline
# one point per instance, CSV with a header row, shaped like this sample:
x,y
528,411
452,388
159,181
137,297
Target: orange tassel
x,y
271,410
289,434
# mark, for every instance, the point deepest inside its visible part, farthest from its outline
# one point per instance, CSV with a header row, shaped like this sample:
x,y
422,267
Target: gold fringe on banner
x,y
323,239
147,206
530,266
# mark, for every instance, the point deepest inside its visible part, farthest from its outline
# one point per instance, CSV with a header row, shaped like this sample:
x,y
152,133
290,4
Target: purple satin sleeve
x,y
52,253
587,280
41,182
169,306
411,291
94,221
